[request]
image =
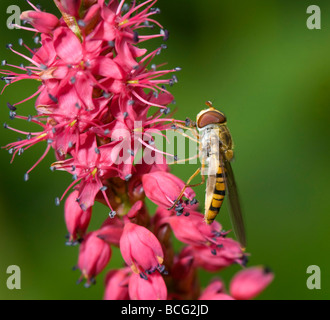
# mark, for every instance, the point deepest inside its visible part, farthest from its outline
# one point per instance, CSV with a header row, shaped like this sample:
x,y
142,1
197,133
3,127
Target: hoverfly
x,y
216,153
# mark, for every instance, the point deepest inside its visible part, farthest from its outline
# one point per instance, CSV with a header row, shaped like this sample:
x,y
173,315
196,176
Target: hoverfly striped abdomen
x,y
218,196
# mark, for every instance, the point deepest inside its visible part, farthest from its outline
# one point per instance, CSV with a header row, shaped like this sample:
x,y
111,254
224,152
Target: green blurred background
x,y
258,63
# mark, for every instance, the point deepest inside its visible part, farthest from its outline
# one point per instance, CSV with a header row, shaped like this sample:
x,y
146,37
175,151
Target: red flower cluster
x,y
100,102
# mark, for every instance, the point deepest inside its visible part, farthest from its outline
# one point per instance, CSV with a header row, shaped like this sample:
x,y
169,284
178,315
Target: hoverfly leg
x,y
188,185
191,127
184,160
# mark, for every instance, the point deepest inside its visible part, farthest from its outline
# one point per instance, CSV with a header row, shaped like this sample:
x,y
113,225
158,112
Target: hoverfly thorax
x,y
213,133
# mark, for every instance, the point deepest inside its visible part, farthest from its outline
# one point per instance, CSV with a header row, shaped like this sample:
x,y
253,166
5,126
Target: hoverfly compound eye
x,y
210,117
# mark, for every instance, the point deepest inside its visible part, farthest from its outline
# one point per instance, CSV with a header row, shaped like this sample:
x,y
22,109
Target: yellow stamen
x,y
42,136
84,273
160,259
134,268
94,172
72,123
123,22
133,81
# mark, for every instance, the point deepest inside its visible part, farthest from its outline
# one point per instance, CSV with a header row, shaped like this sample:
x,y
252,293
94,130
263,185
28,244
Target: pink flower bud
x,y
116,285
249,283
135,188
76,219
134,211
215,291
111,231
138,214
94,255
161,217
42,21
140,248
89,3
183,264
184,275
152,288
192,229
215,258
70,7
74,7
163,188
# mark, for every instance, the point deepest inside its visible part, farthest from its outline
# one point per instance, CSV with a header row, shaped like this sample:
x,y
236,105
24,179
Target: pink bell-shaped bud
x,y
215,291
44,22
94,255
116,284
192,229
151,288
163,188
217,257
141,249
111,230
70,7
76,219
249,283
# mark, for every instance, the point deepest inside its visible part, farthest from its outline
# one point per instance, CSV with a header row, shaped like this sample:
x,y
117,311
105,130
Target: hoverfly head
x,y
210,116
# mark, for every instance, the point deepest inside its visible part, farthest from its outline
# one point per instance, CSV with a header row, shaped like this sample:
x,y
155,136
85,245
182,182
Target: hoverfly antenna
x,y
209,104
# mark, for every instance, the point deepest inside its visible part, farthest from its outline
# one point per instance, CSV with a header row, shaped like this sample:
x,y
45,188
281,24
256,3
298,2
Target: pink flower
x,y
163,188
89,165
76,219
217,257
18,147
135,186
151,288
192,230
249,283
184,274
70,7
140,249
138,214
183,265
111,230
215,291
94,255
44,22
86,87
245,285
115,26
116,285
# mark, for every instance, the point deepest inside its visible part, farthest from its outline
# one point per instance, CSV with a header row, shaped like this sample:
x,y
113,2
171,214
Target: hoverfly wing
x,y
235,210
213,164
